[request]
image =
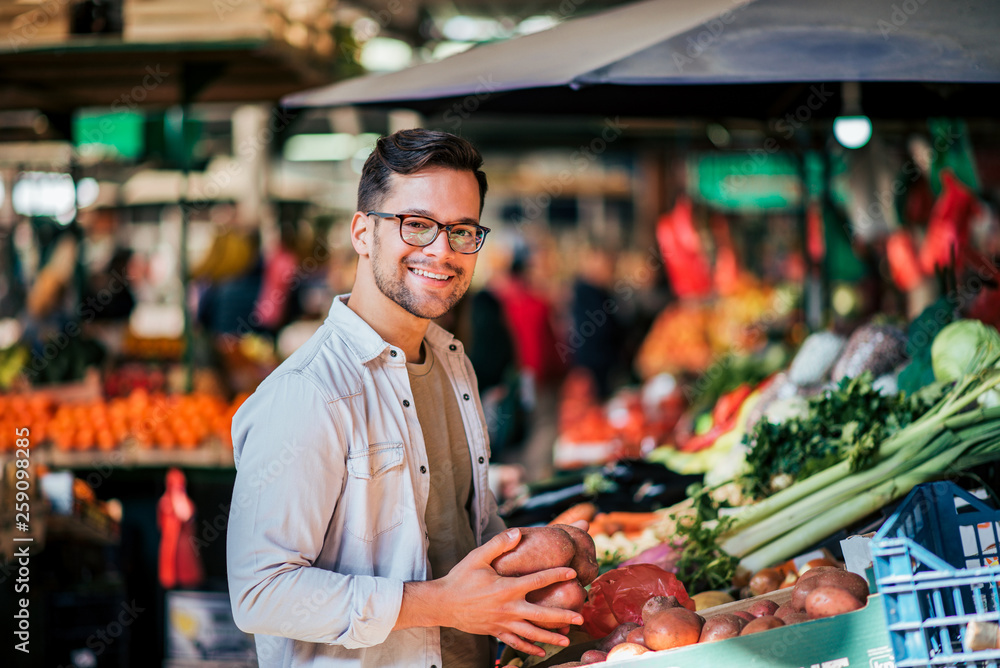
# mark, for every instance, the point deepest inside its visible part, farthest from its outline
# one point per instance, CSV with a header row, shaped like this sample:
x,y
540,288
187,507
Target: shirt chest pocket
x,y
374,488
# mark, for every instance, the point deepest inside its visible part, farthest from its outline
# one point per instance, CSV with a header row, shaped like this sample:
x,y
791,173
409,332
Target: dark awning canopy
x,y
751,58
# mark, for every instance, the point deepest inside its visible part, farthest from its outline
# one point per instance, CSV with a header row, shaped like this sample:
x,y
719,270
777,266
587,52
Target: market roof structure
x,y
687,57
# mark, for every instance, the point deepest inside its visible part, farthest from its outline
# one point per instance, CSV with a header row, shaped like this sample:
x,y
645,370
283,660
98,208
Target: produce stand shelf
x,y
132,456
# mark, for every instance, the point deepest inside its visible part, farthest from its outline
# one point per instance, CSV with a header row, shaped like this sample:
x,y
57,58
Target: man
x,y
362,526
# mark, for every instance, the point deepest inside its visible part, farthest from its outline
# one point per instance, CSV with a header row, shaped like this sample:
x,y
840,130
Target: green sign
x,y
752,180
109,136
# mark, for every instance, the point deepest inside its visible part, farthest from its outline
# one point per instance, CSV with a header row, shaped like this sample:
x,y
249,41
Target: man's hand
x,y
474,599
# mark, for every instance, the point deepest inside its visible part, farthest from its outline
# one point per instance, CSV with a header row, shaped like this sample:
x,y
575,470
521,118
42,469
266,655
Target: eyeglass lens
x,y
422,232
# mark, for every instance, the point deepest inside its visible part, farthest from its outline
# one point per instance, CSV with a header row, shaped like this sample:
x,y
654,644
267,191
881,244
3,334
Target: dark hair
x,y
408,152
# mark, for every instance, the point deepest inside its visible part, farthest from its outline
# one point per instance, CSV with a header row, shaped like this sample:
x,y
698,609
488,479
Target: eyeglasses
x,y
420,231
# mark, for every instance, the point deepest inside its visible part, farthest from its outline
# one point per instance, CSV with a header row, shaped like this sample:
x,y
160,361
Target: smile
x,y
437,277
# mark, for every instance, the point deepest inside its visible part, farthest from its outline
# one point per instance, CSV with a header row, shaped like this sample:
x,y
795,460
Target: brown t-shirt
x,y
448,523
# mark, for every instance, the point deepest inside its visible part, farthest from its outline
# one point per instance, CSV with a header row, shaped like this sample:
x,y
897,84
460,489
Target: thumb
x,y
503,542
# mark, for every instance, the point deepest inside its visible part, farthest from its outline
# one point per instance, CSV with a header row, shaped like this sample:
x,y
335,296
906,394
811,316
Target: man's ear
x,y
362,231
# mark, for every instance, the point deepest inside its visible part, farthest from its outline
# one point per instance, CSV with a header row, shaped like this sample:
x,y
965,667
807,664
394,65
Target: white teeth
x,y
421,272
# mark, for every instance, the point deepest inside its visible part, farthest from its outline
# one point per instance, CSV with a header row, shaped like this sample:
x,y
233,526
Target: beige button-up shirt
x,y
327,518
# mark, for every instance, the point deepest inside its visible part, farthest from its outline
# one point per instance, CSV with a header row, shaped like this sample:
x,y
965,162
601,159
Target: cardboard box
x,y
854,639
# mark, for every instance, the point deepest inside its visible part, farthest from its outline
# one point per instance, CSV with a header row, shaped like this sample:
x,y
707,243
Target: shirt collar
x,y
365,342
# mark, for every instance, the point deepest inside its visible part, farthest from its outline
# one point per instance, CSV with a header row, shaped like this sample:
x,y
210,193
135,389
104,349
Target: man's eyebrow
x,y
428,214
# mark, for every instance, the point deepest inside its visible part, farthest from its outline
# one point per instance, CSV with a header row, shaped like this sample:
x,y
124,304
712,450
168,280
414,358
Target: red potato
x,y
816,570
765,581
616,637
585,558
569,595
853,583
676,627
743,614
784,610
829,601
795,618
657,604
593,656
765,623
539,549
721,627
763,607
569,664
636,636
625,650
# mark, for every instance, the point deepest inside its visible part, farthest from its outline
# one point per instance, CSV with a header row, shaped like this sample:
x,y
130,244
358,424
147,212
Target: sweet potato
x,y
762,607
657,604
569,595
853,583
593,656
625,650
539,549
585,559
829,601
721,627
636,636
765,623
616,637
675,627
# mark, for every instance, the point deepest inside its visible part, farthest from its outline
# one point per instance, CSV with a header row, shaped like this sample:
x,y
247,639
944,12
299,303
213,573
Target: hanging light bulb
x,y
852,129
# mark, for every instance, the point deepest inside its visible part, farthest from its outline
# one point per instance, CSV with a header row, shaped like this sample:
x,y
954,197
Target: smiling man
x,y
362,527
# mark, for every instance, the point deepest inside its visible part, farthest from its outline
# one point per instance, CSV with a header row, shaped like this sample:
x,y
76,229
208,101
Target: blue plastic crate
x,y
935,560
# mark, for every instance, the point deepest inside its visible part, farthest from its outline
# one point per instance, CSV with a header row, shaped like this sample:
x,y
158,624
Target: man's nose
x,y
439,246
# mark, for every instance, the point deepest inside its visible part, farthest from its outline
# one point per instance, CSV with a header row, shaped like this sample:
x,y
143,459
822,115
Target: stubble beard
x,y
396,290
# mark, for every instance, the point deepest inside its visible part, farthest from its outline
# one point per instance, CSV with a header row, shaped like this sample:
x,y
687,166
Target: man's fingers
x,y
505,541
545,578
533,634
520,644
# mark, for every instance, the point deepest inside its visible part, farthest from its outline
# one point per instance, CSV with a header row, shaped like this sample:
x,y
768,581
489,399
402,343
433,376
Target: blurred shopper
x,y
530,319
596,337
362,527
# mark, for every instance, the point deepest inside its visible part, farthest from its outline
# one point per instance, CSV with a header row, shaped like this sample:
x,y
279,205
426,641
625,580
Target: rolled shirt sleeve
x,y
290,473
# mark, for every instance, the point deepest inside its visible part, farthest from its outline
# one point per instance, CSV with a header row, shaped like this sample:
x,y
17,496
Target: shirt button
x,y
392,353
406,403
465,396
453,347
482,460
423,469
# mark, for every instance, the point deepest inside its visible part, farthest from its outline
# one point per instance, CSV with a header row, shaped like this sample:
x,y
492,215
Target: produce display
x,y
790,456
150,420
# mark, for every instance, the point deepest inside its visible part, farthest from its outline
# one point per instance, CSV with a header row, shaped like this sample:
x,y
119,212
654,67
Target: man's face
x,y
400,270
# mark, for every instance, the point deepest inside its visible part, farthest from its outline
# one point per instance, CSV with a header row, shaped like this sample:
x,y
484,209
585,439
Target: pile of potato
x,y
819,592
554,546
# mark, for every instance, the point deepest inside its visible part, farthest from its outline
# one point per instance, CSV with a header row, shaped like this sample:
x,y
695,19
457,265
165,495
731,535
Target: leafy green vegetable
x,y
847,422
964,347
703,565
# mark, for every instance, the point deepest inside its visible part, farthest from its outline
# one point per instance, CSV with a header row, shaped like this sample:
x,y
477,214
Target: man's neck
x,y
393,323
